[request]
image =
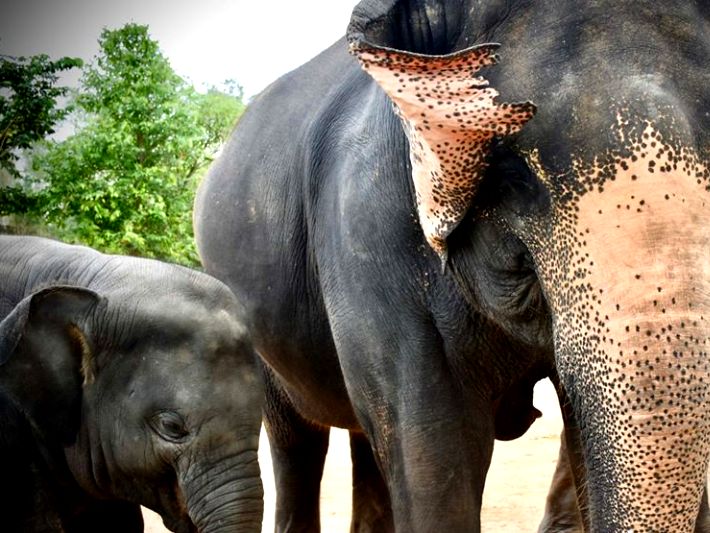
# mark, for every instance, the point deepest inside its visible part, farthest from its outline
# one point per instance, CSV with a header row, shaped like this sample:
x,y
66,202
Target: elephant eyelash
x,y
170,426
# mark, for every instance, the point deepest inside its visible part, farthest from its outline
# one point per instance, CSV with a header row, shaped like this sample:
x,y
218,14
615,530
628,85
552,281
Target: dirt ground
x,y
516,486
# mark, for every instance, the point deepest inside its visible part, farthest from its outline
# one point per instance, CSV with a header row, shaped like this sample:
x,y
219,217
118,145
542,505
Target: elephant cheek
x,y
629,286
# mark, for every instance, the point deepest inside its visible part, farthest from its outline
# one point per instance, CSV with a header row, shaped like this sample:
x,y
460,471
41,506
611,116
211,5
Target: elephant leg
x,y
702,524
372,512
561,510
435,460
298,450
571,442
432,437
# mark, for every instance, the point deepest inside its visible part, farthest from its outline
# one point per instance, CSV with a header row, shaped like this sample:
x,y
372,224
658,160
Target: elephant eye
x,y
169,425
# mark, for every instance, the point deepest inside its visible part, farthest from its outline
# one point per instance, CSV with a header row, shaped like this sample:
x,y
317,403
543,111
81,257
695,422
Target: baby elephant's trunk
x,y
227,495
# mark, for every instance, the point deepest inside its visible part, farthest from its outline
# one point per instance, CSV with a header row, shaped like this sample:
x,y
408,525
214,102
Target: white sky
x,y
206,41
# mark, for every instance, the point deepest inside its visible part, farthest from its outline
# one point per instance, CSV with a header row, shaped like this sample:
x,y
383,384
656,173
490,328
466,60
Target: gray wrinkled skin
x,y
582,255
123,382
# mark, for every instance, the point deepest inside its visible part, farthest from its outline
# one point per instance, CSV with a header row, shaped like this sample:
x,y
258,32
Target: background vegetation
x,y
124,181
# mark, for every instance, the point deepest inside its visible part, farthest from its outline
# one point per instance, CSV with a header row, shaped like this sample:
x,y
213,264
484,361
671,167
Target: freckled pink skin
x,y
640,268
450,117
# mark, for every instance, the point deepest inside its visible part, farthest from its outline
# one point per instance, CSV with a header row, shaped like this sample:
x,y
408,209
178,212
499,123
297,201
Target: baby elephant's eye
x,y
170,425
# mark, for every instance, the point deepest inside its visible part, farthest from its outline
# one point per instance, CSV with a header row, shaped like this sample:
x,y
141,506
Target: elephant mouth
x,y
173,511
181,524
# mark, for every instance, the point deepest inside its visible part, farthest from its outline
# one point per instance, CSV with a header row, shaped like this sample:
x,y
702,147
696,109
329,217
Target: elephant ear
x,y
45,356
450,116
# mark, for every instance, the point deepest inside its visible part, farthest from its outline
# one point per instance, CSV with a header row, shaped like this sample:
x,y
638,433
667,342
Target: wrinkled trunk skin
x,y
226,497
628,280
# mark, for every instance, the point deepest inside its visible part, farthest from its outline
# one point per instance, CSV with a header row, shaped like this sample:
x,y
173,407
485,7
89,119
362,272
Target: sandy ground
x,y
516,486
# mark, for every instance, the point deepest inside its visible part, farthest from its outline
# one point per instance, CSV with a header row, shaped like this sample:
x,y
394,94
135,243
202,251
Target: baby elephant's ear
x,y
46,354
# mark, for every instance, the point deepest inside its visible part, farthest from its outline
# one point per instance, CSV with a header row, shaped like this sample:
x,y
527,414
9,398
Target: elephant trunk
x,y
639,385
646,436
631,301
226,496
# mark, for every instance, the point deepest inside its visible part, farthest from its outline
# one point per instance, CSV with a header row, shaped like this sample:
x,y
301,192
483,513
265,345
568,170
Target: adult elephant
x,y
413,254
123,382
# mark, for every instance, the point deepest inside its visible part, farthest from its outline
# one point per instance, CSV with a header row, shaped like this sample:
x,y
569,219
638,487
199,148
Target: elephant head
x,y
600,203
153,400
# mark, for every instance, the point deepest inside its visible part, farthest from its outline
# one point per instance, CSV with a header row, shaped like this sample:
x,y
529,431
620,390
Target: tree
x,y
217,112
125,182
29,111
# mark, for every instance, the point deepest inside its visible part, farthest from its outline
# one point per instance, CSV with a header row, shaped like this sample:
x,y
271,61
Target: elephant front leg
x,y
702,524
372,511
432,441
435,459
561,510
298,450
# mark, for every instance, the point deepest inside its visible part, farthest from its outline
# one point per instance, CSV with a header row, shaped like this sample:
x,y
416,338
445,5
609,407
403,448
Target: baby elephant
x,y
123,382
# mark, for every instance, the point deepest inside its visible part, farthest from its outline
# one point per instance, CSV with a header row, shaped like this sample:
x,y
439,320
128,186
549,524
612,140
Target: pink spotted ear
x,y
450,118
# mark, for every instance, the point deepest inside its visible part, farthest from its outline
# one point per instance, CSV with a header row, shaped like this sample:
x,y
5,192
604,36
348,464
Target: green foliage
x,y
16,200
125,182
28,102
28,112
